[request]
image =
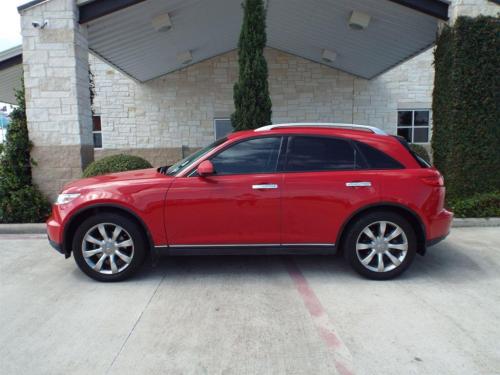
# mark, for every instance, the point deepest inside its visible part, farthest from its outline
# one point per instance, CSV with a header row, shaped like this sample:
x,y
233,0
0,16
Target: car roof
x,y
384,142
343,130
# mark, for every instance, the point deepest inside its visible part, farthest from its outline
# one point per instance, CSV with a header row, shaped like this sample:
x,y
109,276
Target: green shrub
x,y
115,163
479,205
466,131
421,151
25,205
20,199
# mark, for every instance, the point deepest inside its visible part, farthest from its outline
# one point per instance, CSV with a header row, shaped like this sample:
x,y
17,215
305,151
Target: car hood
x,y
114,178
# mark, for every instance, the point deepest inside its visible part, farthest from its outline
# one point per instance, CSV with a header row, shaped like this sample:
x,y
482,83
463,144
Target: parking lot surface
x,y
253,315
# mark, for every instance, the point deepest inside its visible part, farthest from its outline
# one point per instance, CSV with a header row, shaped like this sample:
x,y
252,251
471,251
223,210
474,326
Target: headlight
x,y
66,198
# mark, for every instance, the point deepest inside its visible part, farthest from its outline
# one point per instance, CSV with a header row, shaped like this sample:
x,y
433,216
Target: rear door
x,y
324,181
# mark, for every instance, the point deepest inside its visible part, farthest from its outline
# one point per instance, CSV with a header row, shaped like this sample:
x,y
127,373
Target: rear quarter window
x,y
376,159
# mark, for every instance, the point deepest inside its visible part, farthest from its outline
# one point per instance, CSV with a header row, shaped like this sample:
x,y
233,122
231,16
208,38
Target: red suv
x,y
289,188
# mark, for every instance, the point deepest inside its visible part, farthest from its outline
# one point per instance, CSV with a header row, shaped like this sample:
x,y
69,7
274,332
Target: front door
x,y
238,205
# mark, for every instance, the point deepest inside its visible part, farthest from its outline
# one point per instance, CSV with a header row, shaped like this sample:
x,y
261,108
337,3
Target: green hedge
x,y
466,109
479,205
115,163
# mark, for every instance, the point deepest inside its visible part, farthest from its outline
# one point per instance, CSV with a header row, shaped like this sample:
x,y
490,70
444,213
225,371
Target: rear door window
x,y
309,154
376,159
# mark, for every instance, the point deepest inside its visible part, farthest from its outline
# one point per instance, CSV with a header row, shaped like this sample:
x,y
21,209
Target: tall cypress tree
x,y
251,91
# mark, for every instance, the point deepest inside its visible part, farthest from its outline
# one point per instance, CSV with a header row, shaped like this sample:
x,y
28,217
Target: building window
x,y
222,127
96,131
414,125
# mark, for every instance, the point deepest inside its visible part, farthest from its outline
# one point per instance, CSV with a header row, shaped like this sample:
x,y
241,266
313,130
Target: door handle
x,y
358,184
264,186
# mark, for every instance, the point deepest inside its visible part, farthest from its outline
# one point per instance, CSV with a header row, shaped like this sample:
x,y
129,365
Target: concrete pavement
x,y
253,315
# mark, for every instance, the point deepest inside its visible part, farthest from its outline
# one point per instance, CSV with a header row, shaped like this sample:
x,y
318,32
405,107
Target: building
x,y
163,72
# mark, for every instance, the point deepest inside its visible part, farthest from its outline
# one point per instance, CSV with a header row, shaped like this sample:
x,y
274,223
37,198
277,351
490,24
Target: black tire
x,y
131,231
354,233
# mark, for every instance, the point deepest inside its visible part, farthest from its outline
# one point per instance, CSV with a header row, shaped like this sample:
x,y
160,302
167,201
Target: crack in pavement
x,y
135,324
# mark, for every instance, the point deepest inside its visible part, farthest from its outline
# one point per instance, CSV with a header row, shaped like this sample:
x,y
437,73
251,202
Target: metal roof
x,y
396,32
121,32
11,72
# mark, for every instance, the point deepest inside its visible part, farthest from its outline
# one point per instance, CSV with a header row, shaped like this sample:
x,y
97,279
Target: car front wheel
x,y
109,247
381,245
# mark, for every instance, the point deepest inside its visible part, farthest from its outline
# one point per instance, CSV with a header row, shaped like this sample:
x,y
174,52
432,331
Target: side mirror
x,y
206,168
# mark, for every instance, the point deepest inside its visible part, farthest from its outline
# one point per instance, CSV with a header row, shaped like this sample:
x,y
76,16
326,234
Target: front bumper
x,y
54,233
56,246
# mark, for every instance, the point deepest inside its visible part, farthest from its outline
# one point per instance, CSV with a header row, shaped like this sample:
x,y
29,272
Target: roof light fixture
x,y
328,56
184,57
359,20
162,23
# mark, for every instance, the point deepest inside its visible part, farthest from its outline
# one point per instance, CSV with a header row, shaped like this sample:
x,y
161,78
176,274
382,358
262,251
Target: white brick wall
x,y
473,8
55,62
178,109
408,85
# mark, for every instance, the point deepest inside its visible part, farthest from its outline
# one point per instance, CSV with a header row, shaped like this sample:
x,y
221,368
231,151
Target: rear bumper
x,y
439,227
435,241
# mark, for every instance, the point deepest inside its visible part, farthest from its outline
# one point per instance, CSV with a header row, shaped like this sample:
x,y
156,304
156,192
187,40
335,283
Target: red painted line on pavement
x,y
342,356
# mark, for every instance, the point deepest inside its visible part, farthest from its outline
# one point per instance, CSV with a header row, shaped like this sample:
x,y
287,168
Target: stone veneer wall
x,y
407,86
178,109
156,119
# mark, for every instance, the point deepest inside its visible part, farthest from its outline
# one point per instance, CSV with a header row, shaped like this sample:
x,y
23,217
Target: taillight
x,y
436,180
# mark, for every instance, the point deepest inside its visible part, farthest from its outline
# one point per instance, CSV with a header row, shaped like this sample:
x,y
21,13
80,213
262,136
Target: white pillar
x,y
55,61
472,8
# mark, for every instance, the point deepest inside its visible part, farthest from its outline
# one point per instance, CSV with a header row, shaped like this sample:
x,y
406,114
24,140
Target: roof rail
x,y
367,128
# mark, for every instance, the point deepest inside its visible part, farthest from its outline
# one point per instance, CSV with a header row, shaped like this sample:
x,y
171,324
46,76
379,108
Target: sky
x,y
10,30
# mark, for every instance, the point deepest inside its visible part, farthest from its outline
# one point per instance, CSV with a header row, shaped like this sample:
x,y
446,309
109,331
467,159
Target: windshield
x,y
182,164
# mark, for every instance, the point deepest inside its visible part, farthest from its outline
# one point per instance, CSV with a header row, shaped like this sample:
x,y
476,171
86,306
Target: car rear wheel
x,y
109,247
380,245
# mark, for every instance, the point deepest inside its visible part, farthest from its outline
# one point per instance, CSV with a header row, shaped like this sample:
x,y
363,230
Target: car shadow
x,y
445,262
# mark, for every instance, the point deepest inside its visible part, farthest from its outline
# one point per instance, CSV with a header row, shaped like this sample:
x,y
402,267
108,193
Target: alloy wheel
x,y
107,248
382,246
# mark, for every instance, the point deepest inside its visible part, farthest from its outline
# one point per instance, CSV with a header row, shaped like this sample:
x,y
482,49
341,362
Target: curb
x,y
32,228
476,222
41,229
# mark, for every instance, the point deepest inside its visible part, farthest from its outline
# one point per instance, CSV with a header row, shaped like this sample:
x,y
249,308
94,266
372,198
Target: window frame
x,y
97,132
215,127
412,127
